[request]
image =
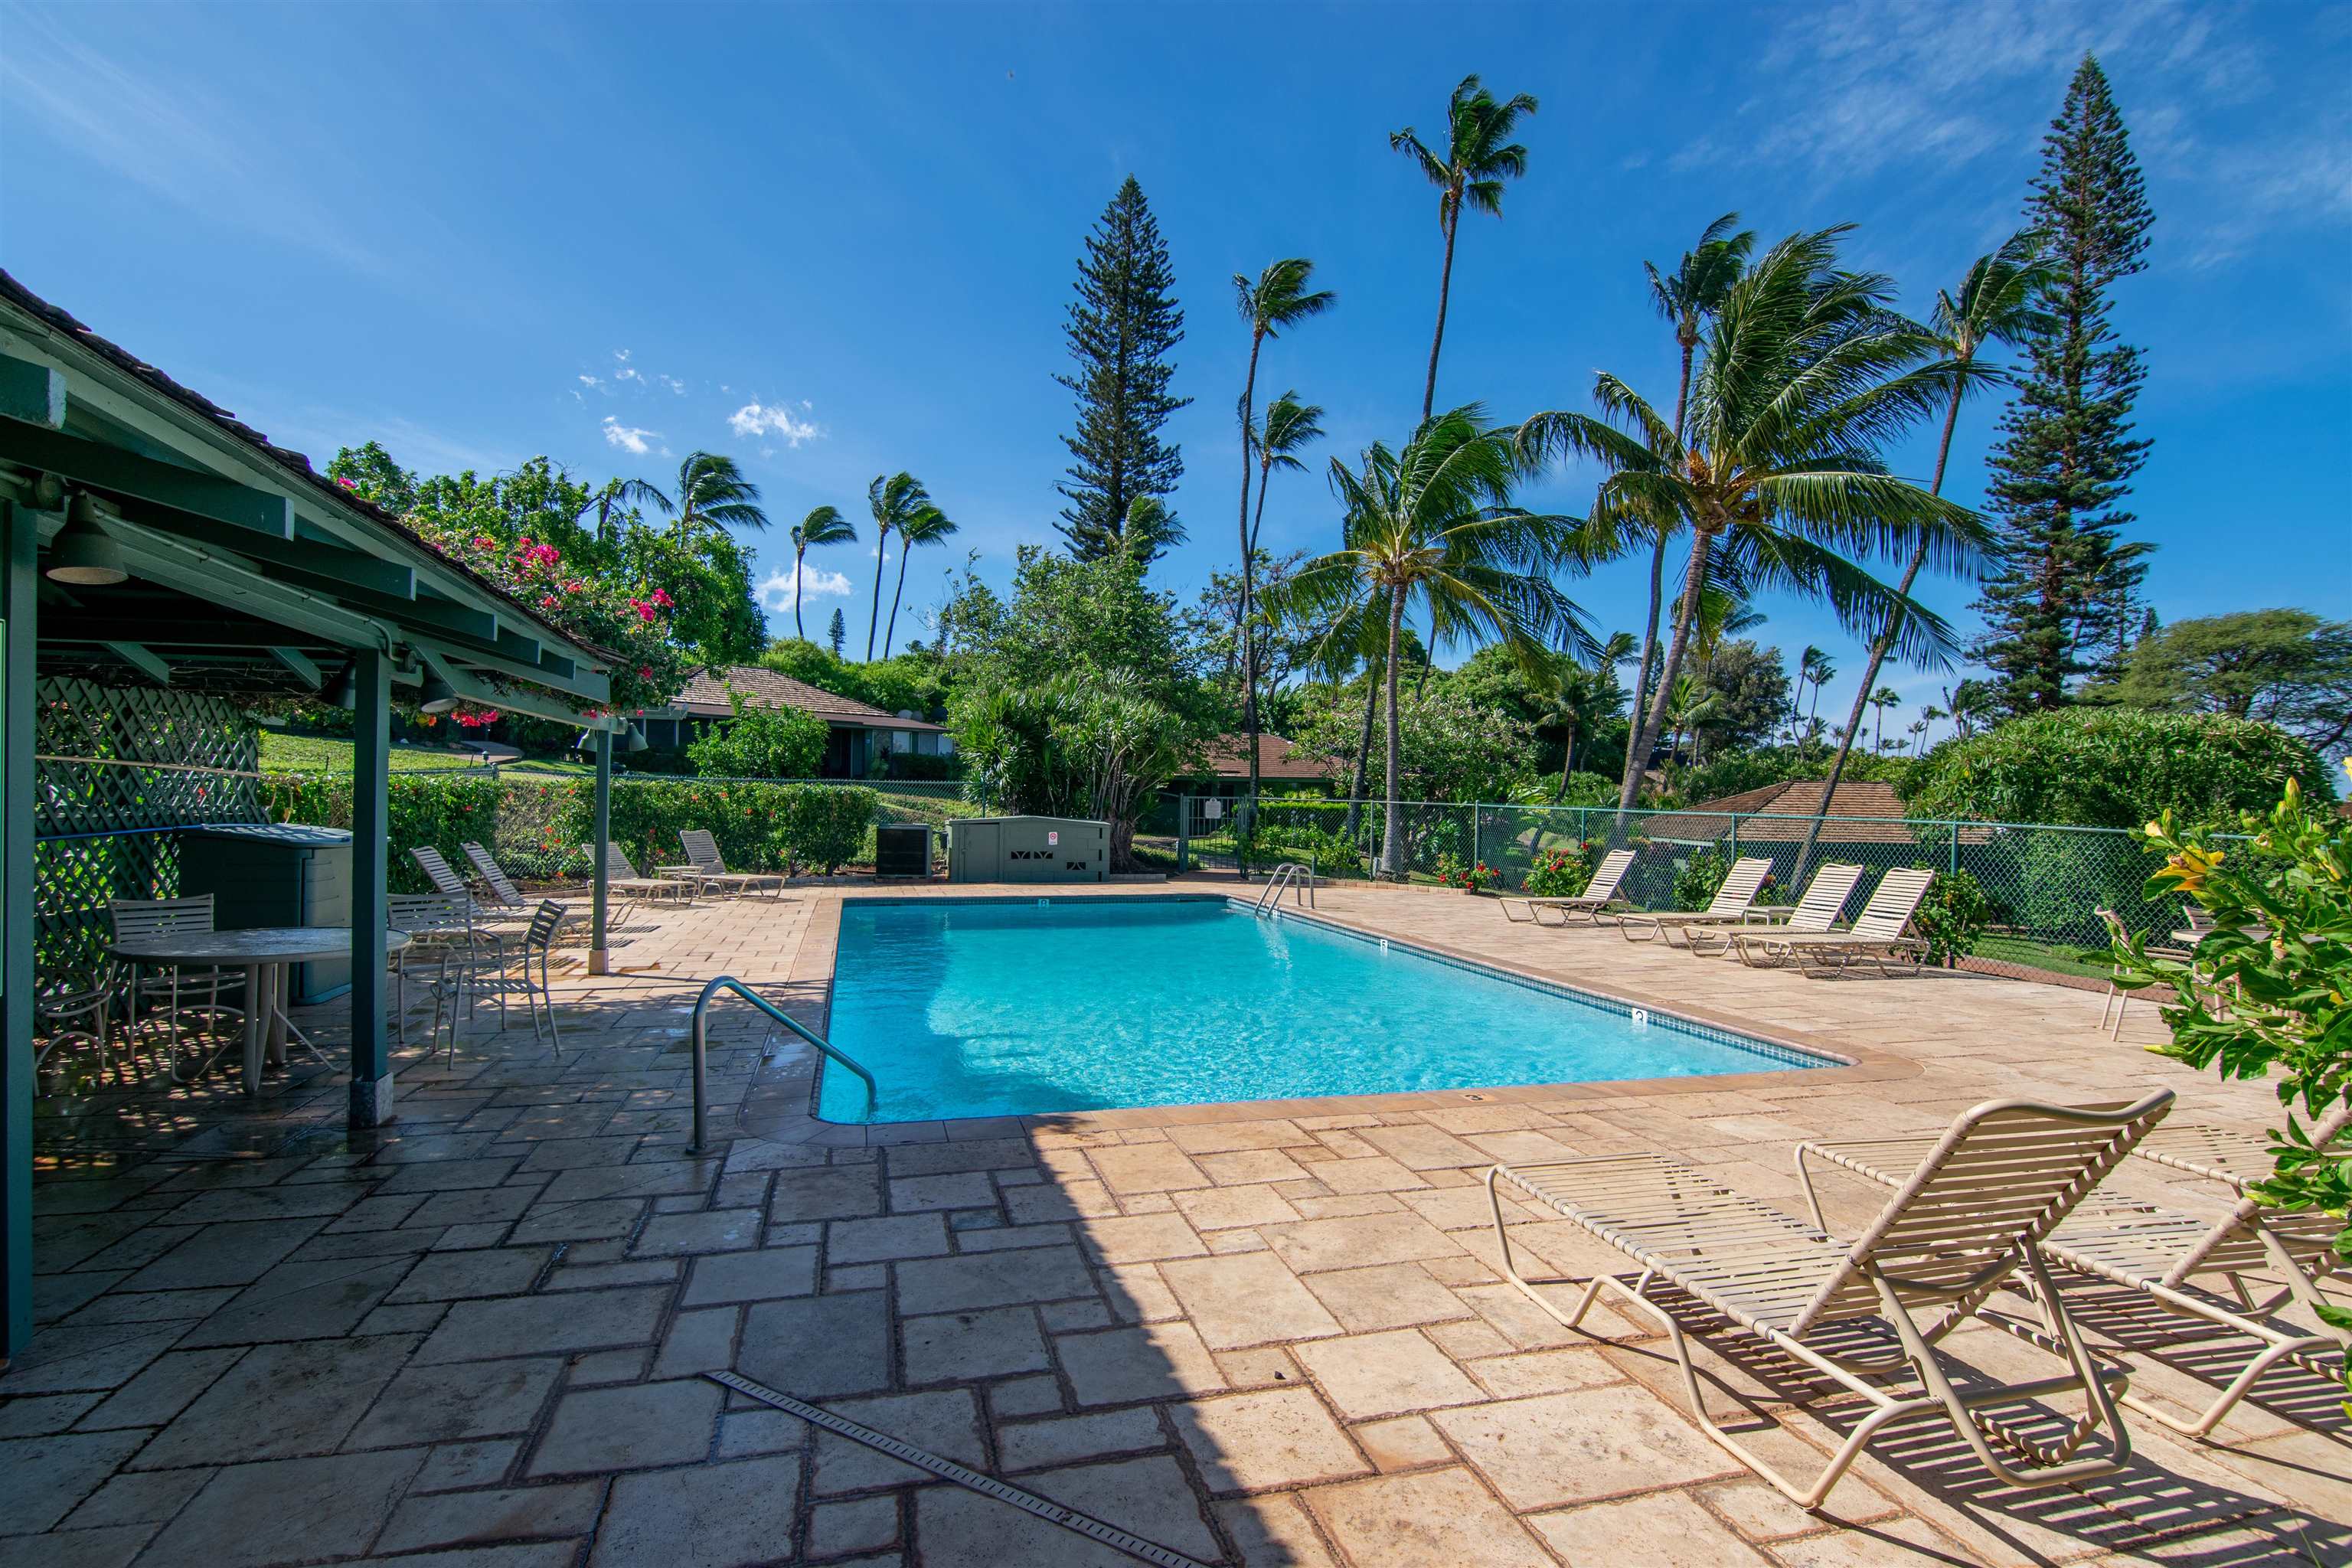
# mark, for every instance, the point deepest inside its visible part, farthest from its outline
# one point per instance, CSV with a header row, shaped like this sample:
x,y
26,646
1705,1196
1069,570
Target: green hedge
x,y
423,810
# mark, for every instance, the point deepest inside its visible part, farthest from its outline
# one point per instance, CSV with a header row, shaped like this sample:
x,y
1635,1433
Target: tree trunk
x,y
1567,766
874,617
896,594
799,630
1249,572
1363,751
1249,568
1445,292
1655,721
1393,830
1884,640
1657,591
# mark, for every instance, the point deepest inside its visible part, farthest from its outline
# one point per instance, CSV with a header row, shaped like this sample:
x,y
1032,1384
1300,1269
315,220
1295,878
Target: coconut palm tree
x,y
1686,297
1582,697
1688,705
894,499
1289,428
1776,474
1275,299
1997,303
1148,531
823,525
924,526
1883,698
617,495
1479,156
1434,527
1816,668
713,493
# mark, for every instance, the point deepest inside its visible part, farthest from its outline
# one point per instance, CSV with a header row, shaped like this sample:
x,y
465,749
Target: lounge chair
x,y
505,897
447,883
2162,1253
620,876
1876,934
1598,894
705,868
1972,1216
1816,912
2119,999
1735,902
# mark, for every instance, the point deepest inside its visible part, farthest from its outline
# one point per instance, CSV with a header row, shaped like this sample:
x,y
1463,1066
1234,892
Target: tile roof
x,y
1227,757
1864,811
706,696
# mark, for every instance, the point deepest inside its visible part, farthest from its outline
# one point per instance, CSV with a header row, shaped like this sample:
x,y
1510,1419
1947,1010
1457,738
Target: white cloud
x,y
776,592
675,387
591,380
757,419
629,437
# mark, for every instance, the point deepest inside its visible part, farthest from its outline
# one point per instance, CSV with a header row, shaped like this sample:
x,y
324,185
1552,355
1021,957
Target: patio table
x,y
264,954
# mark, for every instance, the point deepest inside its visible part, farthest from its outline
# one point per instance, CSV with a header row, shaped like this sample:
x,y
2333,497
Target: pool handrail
x,y
1290,873
702,1005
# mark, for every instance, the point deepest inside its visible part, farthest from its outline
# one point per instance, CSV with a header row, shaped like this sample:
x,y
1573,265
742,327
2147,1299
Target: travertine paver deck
x,y
1263,1334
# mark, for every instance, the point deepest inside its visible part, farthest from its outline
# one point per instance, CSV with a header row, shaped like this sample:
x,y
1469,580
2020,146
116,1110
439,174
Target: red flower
x,y
661,598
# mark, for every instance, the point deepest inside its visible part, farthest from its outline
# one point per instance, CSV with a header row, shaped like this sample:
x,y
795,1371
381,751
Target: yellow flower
x,y
2191,867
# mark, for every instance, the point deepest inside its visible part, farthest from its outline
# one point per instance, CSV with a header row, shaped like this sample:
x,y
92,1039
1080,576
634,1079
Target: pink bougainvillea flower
x,y
483,541
645,672
547,601
661,598
345,483
645,611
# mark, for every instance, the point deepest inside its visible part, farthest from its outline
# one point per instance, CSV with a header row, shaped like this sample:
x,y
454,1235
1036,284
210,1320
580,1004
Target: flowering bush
x,y
2271,987
1561,873
1952,916
1478,879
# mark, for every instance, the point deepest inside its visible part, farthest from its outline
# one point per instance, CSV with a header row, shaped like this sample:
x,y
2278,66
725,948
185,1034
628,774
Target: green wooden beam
x,y
299,663
473,689
145,479
140,659
308,560
32,392
235,585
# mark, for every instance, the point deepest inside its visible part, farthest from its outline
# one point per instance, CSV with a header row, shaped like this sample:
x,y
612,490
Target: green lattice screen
x,y
105,830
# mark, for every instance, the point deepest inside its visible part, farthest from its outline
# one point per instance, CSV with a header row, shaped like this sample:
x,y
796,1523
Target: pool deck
x,y
1267,1333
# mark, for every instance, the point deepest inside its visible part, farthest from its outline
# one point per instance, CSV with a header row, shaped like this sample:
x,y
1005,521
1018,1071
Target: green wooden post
x,y
1183,833
599,956
18,599
372,1087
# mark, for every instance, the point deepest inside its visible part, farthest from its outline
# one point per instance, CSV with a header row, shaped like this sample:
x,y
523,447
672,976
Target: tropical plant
x,y
2269,988
1582,697
823,525
1952,916
1479,156
1434,525
1473,878
1820,671
711,493
1883,698
1561,872
1289,428
1697,878
1689,704
924,526
1148,531
760,743
894,499
1076,746
1776,476
1687,297
618,495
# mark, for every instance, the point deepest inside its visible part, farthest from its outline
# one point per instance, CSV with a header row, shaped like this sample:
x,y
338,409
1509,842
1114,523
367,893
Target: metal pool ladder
x,y
702,1007
1290,873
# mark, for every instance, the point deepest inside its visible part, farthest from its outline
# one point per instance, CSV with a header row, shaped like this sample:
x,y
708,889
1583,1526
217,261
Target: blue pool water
x,y
974,1008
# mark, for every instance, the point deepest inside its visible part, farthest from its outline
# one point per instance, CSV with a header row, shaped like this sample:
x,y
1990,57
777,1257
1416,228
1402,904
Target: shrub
x,y
760,743
2089,767
1952,916
1562,872
2066,878
1696,878
827,827
422,811
1480,878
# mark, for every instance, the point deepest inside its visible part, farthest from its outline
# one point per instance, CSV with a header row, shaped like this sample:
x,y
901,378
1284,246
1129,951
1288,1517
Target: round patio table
x,y
265,954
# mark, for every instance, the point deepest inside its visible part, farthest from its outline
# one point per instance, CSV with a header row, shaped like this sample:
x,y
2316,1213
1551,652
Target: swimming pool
x,y
993,1008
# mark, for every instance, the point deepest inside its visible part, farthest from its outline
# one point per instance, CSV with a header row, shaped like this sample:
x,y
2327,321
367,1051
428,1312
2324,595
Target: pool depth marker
x,y
987,1486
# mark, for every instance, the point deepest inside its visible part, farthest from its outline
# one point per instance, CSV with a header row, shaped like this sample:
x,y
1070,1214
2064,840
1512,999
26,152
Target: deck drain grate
x,y
987,1486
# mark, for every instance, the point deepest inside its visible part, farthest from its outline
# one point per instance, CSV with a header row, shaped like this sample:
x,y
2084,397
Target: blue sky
x,y
839,240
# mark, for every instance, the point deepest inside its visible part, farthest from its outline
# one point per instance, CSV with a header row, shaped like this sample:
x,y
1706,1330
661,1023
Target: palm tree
x,y
1686,297
1148,531
1929,716
823,525
1688,705
893,501
1883,698
713,493
1277,298
925,525
1972,703
1434,525
1580,696
1287,429
617,494
1479,156
1777,478
1997,304
1817,668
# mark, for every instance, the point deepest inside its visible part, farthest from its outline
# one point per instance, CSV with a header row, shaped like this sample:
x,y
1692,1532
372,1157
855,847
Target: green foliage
x,y
1122,329
1453,747
1952,916
424,810
1563,872
2065,879
2286,668
1736,773
1072,747
2113,768
2269,989
1480,878
1697,878
762,743
1750,687
909,683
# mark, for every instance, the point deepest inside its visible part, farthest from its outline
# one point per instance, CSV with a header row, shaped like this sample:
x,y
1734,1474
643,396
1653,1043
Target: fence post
x,y
1955,848
1735,836
1475,809
1183,833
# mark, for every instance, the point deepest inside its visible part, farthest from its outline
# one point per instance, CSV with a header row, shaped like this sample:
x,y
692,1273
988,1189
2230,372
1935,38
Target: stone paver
x,y
474,1339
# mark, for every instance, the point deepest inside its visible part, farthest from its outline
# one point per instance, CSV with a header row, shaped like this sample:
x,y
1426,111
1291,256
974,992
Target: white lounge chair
x,y
1877,934
1972,1216
1816,912
1734,901
705,868
620,876
2267,1259
1598,894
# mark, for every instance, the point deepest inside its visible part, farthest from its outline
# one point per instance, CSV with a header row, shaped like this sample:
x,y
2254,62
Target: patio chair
x,y
2118,1000
515,972
620,876
1734,901
1816,912
505,897
440,931
186,990
706,869
1876,934
68,1013
1973,1216
1598,894
446,880
2268,1258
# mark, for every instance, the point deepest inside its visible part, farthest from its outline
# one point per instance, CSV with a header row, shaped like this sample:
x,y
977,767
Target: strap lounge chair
x,y
620,877
2119,1000
1598,894
446,882
1815,913
505,897
705,868
1970,1219
1876,935
1735,902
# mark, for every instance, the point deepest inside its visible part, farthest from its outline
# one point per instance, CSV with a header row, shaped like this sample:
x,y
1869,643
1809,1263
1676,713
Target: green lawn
x,y
284,753
2057,958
